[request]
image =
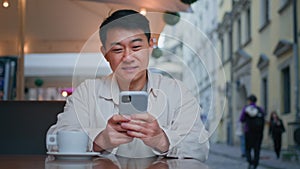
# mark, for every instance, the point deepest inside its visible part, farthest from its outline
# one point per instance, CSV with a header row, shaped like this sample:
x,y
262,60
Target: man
x,y
172,126
253,117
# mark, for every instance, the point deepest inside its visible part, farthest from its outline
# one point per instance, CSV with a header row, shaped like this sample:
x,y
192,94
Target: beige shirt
x,y
176,109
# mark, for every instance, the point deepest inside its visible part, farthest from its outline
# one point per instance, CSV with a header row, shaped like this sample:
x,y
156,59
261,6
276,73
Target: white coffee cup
x,y
69,141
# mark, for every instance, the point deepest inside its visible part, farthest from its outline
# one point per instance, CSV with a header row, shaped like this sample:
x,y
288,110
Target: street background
x,y
223,156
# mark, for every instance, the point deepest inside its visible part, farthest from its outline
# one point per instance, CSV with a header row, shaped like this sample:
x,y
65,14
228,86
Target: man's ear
x,y
151,42
102,48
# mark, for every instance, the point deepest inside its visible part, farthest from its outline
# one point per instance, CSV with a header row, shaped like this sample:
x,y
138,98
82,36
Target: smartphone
x,y
133,102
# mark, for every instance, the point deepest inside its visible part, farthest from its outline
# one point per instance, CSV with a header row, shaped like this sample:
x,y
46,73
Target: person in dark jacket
x,y
276,129
253,118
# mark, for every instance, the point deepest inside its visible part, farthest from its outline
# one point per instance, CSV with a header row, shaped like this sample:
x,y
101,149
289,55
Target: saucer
x,y
73,156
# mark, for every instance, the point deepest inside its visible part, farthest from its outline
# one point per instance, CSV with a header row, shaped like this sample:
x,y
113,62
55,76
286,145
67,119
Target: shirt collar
x,y
110,89
151,88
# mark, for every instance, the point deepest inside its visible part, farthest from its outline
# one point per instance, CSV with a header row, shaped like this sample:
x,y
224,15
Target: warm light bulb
x,y
25,48
5,4
64,94
143,11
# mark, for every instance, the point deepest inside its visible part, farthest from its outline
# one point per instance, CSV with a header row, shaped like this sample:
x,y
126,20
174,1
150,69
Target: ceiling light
x,y
5,3
64,94
143,11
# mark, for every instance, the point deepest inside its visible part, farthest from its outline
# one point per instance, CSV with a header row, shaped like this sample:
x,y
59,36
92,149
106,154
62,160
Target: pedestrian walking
x,y
276,128
253,118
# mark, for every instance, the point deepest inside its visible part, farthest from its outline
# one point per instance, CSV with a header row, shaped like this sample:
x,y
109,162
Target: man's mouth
x,y
129,68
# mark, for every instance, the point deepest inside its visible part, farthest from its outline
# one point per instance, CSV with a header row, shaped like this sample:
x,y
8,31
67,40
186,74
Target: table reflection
x,y
114,162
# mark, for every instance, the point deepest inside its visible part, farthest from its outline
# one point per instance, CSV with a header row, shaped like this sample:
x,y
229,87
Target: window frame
x,y
265,88
239,32
222,49
283,5
265,14
249,24
286,89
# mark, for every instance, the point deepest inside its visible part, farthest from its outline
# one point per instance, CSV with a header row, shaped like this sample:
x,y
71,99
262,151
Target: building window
x,y
226,46
265,93
222,50
283,5
230,44
264,14
286,90
248,27
239,36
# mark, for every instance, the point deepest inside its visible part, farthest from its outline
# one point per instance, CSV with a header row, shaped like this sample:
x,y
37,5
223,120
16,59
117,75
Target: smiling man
x,y
171,127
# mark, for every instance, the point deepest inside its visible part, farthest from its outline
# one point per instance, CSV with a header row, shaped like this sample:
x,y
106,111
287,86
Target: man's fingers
x,y
136,134
119,128
133,127
138,129
115,119
146,117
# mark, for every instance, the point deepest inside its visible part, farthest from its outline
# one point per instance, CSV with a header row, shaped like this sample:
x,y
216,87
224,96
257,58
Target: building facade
x,y
260,56
193,41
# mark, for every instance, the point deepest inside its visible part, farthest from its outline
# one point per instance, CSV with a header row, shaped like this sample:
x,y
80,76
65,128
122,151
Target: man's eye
x,y
135,48
117,50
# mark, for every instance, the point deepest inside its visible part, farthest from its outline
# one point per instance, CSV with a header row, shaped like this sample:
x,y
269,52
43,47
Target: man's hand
x,y
146,127
113,135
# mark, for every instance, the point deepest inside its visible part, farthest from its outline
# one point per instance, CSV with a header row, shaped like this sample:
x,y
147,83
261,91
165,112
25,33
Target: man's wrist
x,y
97,148
164,144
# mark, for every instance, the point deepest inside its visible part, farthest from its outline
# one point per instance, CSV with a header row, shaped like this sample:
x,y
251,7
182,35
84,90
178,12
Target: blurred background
x,y
223,50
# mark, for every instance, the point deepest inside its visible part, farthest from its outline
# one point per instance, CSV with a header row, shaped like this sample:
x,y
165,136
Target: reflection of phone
x,y
133,102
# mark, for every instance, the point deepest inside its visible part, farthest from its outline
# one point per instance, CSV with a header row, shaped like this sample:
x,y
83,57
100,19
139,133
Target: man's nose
x,y
127,55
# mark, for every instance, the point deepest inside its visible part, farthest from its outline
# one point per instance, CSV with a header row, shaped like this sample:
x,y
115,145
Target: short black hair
x,y
252,98
127,19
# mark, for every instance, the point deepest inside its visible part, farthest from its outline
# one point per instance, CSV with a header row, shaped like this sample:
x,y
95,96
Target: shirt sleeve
x,y
77,114
67,120
187,135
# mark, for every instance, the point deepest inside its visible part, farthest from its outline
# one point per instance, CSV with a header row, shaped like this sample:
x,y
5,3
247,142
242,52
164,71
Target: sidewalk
x,y
267,157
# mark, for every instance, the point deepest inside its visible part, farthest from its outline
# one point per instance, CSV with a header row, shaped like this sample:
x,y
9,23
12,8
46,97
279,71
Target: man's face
x,y
127,52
